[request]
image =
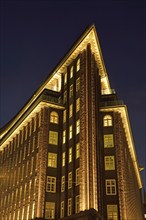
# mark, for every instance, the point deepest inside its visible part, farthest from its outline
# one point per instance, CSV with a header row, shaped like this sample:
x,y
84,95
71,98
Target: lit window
x,y
77,126
53,137
63,159
51,184
69,180
65,78
70,155
34,124
77,84
111,187
64,137
62,210
69,211
71,72
22,135
70,131
70,91
54,117
77,204
30,128
52,160
70,110
64,116
33,144
77,150
26,132
78,65
77,104
112,212
50,210
62,183
24,152
77,176
32,163
109,162
107,120
65,97
39,124
27,167
108,141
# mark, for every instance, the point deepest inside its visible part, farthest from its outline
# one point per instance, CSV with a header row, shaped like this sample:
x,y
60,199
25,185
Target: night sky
x,y
35,35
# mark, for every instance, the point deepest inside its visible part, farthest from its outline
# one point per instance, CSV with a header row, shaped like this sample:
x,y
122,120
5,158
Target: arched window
x,y
54,117
107,120
78,65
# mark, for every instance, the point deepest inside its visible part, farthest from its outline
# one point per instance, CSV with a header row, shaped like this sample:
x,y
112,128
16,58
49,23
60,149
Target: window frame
x,y
108,141
52,160
110,186
54,117
107,121
53,137
51,184
109,162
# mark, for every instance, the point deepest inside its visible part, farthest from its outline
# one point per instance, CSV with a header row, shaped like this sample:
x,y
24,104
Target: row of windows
x,y
23,213
71,110
71,90
51,182
70,154
50,208
71,71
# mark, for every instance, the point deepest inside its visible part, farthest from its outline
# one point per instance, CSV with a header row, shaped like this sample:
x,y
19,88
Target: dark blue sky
x,y
35,35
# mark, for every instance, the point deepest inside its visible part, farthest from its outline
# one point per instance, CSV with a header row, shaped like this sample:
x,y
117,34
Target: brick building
x,y
69,152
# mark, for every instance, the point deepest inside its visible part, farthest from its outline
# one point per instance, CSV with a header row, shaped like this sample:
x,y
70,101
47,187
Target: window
x,y
109,162
50,210
64,116
70,110
110,187
69,211
77,126
70,131
77,150
62,183
77,204
69,180
62,210
33,144
24,152
70,155
34,124
63,159
70,91
71,72
53,137
54,117
51,184
112,212
78,65
64,137
32,162
52,160
108,141
65,78
77,176
107,120
77,104
65,97
77,84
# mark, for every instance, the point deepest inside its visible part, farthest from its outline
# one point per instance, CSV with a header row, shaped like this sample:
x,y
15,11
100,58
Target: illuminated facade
x,y
70,149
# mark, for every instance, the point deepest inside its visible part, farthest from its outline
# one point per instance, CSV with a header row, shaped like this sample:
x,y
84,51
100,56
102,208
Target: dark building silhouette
x,y
69,152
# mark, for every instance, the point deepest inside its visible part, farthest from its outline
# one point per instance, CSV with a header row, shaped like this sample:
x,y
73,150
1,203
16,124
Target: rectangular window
x,y
53,137
77,84
110,187
70,131
52,160
62,183
26,132
77,204
70,110
77,104
71,72
109,162
50,210
64,136
64,116
69,210
65,78
51,184
63,159
33,144
77,126
108,141
71,91
24,152
70,155
77,176
65,97
32,162
77,150
112,212
70,180
62,210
